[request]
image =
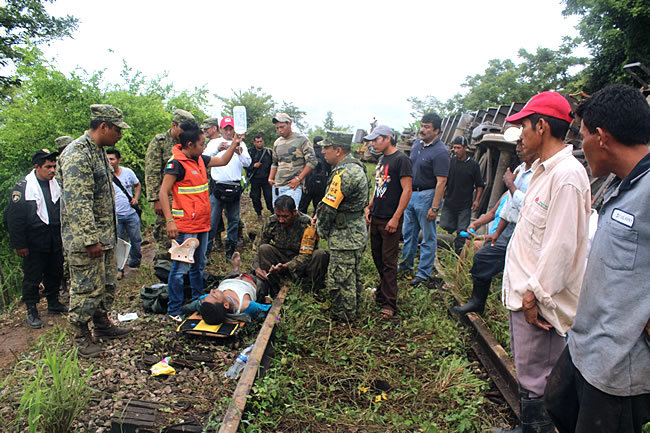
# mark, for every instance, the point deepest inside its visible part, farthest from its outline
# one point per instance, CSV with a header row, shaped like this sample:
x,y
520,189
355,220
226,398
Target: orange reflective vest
x,y
191,196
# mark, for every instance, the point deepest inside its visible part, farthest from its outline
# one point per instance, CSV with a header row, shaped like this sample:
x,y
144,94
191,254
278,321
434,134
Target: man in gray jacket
x,y
601,382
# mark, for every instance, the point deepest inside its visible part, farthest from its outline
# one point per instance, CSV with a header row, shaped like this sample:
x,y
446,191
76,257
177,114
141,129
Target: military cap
x,y
210,122
382,130
181,116
338,139
42,154
108,113
281,117
62,141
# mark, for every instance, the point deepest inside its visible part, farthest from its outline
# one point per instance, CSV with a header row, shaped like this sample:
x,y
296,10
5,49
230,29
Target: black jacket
x,y
260,174
26,230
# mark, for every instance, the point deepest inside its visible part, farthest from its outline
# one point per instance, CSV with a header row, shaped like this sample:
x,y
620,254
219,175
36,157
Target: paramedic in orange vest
x,y
185,177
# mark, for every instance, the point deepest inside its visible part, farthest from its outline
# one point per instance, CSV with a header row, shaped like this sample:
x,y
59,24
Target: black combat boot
x,y
32,317
534,418
104,328
230,250
477,301
55,307
83,341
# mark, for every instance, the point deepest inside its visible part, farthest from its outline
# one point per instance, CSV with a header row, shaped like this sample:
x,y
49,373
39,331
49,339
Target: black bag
x,y
116,181
227,192
154,298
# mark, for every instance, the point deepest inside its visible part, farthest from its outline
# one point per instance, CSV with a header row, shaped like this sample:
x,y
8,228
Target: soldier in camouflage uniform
x,y
283,249
340,221
158,153
293,159
88,227
61,143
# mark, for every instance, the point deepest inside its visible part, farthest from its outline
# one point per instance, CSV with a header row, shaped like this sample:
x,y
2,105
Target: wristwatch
x,y
435,209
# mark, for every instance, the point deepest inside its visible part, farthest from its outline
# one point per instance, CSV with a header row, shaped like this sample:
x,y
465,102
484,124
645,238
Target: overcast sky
x,y
359,59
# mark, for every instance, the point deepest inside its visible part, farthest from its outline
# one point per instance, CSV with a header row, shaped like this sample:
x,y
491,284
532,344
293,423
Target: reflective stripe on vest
x,y
193,189
178,213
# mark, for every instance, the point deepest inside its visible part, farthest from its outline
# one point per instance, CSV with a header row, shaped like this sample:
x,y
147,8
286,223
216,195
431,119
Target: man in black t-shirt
x,y
393,187
464,176
316,180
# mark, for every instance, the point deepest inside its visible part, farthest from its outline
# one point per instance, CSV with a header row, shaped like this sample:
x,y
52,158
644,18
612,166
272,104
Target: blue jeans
x,y
415,219
295,194
179,269
232,216
131,225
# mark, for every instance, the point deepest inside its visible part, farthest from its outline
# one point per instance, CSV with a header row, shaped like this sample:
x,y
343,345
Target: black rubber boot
x,y
230,250
477,301
83,341
534,418
56,307
32,317
104,328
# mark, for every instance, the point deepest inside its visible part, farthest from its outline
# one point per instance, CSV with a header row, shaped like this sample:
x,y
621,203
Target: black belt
x,y
421,189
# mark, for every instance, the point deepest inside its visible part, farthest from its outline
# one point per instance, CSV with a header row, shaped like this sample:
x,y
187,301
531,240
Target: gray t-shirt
x,y
129,180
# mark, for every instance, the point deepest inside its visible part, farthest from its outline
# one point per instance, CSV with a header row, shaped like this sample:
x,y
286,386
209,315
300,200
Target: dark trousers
x,y
313,194
385,251
42,266
576,406
256,196
453,220
490,260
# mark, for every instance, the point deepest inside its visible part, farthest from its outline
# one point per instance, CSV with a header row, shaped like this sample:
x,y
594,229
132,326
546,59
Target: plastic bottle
x,y
234,371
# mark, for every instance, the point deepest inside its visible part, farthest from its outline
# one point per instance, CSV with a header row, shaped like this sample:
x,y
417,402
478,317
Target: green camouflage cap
x,y
108,113
181,116
281,117
62,141
210,122
339,139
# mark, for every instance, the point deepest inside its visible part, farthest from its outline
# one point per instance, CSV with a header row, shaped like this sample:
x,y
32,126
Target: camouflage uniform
x,y
61,143
277,245
341,222
158,153
88,217
290,155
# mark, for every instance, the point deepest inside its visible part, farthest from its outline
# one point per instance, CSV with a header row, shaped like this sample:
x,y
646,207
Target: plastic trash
x,y
163,367
127,317
234,371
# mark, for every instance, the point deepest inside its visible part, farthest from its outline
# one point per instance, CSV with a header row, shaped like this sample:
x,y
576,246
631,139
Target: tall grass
x,y
55,393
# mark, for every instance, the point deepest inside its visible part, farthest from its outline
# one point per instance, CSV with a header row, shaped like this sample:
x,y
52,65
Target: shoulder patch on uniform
x,y
15,196
334,195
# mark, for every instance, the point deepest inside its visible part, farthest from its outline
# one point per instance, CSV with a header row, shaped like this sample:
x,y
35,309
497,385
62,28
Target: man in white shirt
x,y
545,259
225,193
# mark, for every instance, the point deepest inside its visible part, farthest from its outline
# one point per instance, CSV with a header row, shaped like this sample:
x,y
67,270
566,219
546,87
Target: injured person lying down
x,y
233,300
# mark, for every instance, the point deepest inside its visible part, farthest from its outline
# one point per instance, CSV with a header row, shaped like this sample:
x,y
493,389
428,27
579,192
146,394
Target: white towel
x,y
34,192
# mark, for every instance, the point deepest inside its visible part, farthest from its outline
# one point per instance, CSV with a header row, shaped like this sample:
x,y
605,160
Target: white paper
x,y
127,317
122,250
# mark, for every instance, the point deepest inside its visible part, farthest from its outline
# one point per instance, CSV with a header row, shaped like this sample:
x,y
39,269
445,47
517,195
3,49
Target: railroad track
x,y
494,358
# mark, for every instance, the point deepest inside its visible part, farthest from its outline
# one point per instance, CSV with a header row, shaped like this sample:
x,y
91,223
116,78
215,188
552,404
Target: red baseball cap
x,y
546,103
227,121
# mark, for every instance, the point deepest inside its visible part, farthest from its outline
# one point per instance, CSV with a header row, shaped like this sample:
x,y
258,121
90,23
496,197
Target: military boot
x,y
477,301
534,418
104,328
56,307
83,341
32,316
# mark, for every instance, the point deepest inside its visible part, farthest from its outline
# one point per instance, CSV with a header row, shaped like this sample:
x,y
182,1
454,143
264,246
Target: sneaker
x,y
175,317
417,281
32,317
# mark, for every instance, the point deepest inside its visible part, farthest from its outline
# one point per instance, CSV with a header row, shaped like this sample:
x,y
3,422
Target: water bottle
x,y
240,363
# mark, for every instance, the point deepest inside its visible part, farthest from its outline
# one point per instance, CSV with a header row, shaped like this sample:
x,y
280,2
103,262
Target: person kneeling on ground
x,y
234,299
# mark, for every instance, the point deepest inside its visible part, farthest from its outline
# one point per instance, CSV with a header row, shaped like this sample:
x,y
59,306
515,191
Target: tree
x,y
23,22
504,82
259,110
328,124
296,114
430,104
617,33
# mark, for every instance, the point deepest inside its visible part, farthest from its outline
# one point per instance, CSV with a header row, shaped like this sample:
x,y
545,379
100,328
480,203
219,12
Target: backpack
x,y
154,298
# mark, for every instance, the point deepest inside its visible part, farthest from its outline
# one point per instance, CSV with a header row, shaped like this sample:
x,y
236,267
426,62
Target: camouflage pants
x,y
344,282
92,285
163,243
312,272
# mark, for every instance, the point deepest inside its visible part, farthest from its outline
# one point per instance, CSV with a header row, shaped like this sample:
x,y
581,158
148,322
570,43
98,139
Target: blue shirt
x,y
428,162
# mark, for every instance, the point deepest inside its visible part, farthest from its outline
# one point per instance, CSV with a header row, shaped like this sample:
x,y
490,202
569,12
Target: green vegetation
x,y
55,393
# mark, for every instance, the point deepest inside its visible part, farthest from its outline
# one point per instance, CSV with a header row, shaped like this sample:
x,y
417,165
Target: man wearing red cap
x,y
546,255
